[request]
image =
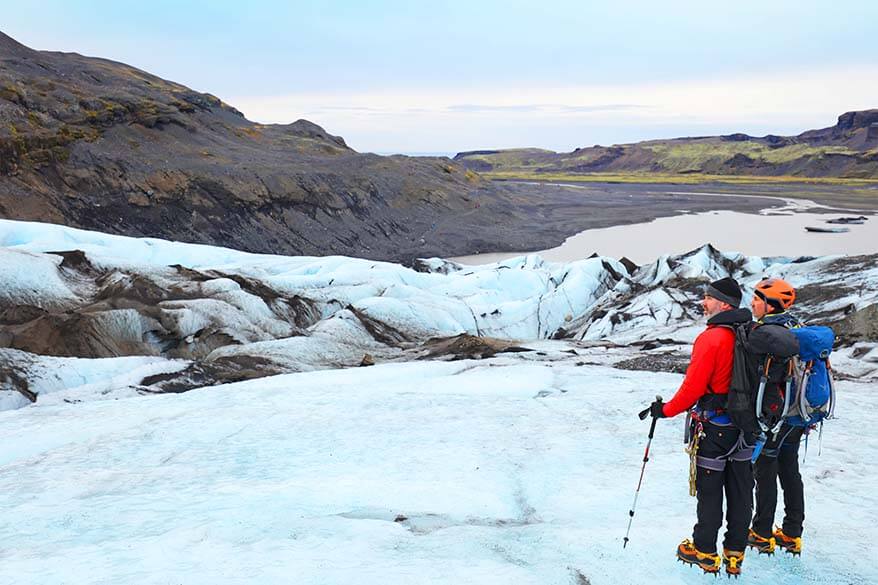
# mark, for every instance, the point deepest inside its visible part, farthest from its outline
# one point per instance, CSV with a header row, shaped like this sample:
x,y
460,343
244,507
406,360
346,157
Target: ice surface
x,y
340,341
56,379
507,470
518,469
521,299
32,279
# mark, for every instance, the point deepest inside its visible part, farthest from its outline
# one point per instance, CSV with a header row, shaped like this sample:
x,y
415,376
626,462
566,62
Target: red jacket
x,y
710,369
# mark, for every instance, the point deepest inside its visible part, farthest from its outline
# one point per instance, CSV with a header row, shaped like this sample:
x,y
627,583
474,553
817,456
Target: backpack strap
x,y
831,412
787,398
804,407
760,393
712,405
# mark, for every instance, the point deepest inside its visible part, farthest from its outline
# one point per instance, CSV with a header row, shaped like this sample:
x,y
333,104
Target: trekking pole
x,y
643,414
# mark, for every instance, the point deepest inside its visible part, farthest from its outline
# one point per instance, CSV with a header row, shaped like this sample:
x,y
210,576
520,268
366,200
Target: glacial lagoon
x,y
775,232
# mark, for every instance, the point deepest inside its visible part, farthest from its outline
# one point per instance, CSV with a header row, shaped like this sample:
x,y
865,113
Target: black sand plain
x,y
514,216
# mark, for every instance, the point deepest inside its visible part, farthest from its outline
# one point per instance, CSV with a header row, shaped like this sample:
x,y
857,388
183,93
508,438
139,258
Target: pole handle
x,y
645,412
651,433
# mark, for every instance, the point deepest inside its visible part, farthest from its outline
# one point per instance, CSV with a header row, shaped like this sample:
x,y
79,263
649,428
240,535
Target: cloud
x,y
479,108
364,109
420,119
486,108
603,108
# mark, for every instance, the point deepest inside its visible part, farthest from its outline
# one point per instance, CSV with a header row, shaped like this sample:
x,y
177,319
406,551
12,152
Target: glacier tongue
x,y
430,467
228,315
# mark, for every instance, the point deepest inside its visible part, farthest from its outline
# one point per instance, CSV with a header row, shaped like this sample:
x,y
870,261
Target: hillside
x,y
847,150
96,144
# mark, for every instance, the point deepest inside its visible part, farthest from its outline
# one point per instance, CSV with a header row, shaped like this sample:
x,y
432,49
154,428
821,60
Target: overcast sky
x,y
446,76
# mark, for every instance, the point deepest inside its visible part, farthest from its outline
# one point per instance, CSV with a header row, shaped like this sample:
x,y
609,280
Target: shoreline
x,y
864,197
525,217
764,235
796,205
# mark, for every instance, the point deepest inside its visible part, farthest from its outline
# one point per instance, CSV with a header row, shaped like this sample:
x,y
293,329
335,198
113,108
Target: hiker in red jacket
x,y
723,457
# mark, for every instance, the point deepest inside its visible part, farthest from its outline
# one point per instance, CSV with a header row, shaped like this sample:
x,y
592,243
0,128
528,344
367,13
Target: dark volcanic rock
x,y
741,160
629,264
775,141
852,129
859,325
465,347
200,374
676,364
100,145
853,120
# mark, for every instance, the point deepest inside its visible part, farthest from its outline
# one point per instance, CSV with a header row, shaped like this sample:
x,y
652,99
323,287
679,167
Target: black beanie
x,y
726,290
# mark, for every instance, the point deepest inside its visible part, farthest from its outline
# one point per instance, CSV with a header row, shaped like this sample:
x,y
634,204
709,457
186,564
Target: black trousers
x,y
780,460
735,482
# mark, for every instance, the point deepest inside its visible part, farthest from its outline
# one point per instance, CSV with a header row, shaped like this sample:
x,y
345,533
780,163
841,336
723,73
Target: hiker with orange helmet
x,y
771,299
780,456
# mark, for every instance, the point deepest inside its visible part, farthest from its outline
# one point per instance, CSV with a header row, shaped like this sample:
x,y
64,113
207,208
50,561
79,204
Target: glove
x,y
656,409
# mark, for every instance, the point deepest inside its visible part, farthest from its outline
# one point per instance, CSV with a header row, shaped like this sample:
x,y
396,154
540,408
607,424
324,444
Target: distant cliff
x,y
847,150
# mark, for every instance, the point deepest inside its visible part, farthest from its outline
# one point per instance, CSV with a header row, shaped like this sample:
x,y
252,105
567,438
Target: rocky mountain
x,y
97,144
847,150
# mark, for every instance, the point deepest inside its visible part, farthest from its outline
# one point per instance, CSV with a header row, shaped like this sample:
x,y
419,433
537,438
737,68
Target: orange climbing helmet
x,y
776,292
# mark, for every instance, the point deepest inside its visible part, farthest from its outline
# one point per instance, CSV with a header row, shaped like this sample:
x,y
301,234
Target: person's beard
x,y
708,314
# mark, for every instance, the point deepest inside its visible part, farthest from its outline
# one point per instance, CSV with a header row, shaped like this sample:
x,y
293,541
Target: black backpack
x,y
761,389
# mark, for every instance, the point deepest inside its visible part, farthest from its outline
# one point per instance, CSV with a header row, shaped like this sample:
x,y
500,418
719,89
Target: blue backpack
x,y
815,396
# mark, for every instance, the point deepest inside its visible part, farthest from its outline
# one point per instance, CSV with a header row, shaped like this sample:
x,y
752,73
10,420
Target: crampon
x,y
707,562
762,545
733,559
792,545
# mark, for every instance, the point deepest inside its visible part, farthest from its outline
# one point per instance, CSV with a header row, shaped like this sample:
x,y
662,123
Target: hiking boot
x,y
707,562
733,559
761,544
792,545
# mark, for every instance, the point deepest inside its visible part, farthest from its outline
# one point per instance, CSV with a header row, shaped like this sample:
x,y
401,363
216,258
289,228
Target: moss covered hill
x,y
847,150
97,144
